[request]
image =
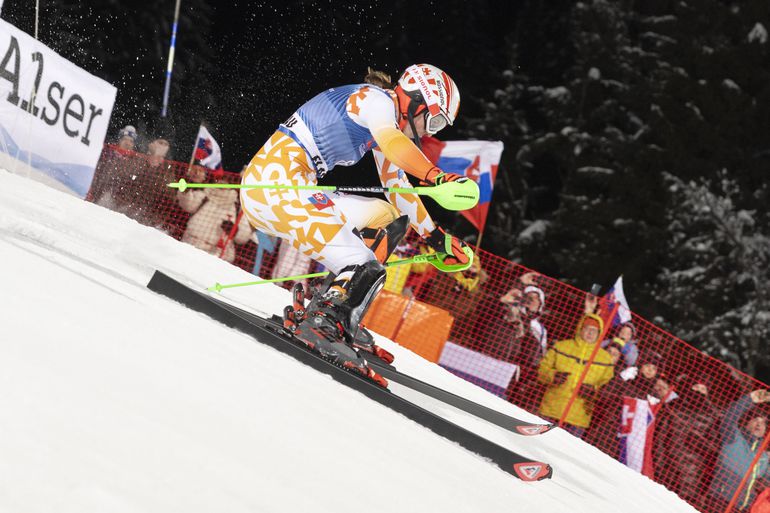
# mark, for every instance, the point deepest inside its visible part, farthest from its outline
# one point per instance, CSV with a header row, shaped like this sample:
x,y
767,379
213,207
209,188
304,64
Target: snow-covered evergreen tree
x,y
624,92
715,288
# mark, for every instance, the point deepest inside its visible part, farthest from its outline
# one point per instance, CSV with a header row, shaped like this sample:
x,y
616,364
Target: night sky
x,y
251,64
274,56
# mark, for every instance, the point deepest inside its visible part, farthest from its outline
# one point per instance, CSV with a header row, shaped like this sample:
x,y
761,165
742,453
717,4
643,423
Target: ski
x,y
507,422
495,417
518,426
275,336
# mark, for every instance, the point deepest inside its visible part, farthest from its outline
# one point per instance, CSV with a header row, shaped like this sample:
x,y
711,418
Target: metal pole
x,y
170,66
37,16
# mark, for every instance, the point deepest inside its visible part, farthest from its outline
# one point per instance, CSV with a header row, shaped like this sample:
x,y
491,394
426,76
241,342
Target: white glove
x,y
652,399
629,373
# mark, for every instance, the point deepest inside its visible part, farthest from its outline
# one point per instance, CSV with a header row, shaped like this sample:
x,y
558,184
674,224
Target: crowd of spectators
x,y
134,180
216,221
699,450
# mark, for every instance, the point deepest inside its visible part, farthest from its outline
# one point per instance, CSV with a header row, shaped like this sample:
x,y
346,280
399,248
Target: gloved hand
x,y
227,225
442,242
588,391
560,378
629,373
436,177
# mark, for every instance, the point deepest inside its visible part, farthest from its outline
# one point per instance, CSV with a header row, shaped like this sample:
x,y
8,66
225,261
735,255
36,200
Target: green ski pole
x,y
435,259
450,195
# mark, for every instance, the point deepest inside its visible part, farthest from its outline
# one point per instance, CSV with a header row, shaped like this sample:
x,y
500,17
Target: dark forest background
x,y
637,132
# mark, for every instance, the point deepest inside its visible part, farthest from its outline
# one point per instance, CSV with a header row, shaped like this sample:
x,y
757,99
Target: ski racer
x,y
337,128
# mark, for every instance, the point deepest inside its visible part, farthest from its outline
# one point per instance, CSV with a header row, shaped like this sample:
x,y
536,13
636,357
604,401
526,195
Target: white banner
x,y
53,114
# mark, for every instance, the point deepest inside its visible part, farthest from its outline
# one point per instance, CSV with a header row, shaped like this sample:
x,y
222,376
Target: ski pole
x,y
218,287
450,195
435,259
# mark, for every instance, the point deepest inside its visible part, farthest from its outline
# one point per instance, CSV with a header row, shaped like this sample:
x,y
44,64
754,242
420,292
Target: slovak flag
x,y
479,161
615,296
636,431
207,150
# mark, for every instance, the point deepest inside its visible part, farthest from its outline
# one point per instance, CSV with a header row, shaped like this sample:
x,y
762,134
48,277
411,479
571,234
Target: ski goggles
x,y
435,123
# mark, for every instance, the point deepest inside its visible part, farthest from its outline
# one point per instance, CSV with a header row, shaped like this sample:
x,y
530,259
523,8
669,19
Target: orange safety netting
x,y
644,397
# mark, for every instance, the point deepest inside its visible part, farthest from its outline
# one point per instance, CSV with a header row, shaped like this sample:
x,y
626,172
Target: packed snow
x,y
117,399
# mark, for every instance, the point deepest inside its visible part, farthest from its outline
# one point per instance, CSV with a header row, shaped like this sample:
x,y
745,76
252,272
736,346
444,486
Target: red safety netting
x,y
210,219
641,395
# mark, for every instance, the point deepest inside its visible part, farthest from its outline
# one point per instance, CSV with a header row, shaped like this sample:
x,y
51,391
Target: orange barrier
x,y
403,320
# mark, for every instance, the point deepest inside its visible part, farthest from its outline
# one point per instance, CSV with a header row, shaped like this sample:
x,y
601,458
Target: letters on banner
x,y
53,114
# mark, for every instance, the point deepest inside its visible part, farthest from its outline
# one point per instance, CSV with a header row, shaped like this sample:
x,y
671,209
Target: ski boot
x,y
364,341
331,320
294,314
382,242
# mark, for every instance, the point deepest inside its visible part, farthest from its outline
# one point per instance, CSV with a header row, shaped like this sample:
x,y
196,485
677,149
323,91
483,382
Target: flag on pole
x,y
615,296
207,150
479,161
636,430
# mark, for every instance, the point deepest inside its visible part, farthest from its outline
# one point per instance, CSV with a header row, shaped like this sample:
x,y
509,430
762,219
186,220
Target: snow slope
x,y
113,398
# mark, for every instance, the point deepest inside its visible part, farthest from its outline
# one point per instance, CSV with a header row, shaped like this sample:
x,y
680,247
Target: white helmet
x,y
422,88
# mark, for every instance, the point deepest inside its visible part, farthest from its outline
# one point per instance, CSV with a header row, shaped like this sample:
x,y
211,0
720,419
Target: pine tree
x,y
715,289
591,120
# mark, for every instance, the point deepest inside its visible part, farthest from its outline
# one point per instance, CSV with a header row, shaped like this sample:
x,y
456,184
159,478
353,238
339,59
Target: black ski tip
x,y
534,429
532,471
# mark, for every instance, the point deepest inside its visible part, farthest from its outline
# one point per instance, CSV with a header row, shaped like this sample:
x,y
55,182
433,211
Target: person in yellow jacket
x,y
561,368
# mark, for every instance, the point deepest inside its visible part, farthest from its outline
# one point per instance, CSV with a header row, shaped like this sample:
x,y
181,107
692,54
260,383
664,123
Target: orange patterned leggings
x,y
318,224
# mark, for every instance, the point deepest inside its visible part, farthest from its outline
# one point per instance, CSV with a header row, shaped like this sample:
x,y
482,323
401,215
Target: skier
x,y
337,128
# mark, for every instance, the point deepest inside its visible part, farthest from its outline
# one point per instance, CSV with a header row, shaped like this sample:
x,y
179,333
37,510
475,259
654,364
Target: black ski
x,y
515,464
495,417
518,426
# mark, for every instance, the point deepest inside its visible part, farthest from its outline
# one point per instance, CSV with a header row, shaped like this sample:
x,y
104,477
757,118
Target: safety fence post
x,y
749,471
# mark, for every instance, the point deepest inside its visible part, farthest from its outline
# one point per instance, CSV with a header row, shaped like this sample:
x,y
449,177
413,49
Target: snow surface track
x,y
113,398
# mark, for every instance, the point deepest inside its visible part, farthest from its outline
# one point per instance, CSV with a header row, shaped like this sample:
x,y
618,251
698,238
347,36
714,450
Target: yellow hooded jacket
x,y
571,356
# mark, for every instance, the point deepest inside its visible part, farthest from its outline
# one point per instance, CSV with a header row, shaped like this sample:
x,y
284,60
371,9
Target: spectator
x,y
127,138
460,294
528,339
686,442
744,426
625,336
662,391
561,369
215,220
524,307
114,163
641,380
145,195
634,382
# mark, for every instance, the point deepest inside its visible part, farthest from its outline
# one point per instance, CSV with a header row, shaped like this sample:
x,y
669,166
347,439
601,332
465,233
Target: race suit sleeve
x,y
409,204
376,111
